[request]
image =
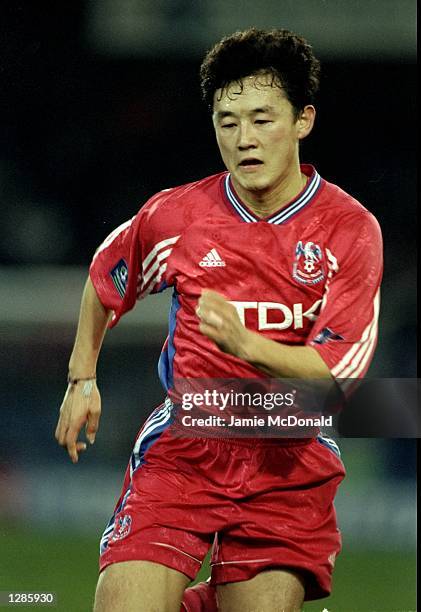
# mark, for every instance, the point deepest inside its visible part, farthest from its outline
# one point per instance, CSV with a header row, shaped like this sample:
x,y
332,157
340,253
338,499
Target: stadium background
x,y
100,109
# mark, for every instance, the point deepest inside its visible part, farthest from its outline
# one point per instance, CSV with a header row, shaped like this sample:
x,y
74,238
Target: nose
x,y
246,137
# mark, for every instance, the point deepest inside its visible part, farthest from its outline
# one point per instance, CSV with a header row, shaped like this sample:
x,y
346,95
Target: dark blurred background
x,y
99,109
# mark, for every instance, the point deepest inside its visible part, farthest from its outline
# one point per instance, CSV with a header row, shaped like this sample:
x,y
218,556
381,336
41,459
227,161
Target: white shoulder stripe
x,y
351,360
354,351
347,382
158,247
147,288
155,266
365,358
361,355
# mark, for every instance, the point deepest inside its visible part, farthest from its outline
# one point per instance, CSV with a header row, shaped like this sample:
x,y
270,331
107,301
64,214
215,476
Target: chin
x,y
254,185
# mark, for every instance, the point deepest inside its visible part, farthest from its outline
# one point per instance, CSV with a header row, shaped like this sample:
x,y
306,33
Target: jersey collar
x,y
302,200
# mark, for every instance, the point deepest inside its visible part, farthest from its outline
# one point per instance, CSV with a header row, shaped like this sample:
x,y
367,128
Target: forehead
x,y
254,91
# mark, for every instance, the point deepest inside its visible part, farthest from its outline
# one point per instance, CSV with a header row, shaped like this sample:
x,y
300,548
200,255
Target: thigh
x,y
161,516
269,591
289,524
139,586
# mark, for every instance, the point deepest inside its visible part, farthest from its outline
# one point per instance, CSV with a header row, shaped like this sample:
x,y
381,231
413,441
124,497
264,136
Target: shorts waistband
x,y
264,442
243,441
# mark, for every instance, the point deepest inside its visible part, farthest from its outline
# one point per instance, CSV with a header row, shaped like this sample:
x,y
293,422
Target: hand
x,y
220,322
81,406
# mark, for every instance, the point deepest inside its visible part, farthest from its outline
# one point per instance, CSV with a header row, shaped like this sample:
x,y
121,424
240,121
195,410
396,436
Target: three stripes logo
x,y
212,260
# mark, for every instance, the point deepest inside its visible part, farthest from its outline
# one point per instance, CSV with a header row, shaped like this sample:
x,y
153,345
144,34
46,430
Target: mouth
x,y
250,162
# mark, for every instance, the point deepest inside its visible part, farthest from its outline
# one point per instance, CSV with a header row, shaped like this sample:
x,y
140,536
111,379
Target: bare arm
x,y
82,403
93,320
220,322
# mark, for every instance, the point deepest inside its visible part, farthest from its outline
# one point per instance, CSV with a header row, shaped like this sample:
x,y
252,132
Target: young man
x,y
274,271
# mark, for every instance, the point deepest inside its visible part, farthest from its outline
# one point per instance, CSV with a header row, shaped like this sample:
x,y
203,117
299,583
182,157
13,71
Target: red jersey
x,y
308,274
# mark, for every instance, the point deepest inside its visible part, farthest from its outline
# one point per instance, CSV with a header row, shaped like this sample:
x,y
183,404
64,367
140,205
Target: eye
x,y
262,121
228,125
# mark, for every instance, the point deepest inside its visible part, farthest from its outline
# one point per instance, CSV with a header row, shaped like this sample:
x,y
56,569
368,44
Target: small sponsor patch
x,y
122,528
325,335
120,275
308,266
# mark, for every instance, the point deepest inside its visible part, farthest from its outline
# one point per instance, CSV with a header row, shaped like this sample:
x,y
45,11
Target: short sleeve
x,y
345,333
132,262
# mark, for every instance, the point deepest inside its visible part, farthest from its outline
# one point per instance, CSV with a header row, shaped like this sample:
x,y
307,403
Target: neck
x,y
267,201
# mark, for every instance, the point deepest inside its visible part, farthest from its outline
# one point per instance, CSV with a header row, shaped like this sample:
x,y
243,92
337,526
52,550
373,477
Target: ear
x,y
305,121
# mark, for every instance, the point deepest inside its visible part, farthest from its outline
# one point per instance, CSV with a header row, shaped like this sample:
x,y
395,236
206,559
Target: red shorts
x,y
262,503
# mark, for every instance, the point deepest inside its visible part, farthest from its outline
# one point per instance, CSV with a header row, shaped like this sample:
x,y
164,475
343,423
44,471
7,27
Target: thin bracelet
x,y
74,381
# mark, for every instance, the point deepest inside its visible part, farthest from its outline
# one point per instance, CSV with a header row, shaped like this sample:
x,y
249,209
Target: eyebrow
x,y
254,111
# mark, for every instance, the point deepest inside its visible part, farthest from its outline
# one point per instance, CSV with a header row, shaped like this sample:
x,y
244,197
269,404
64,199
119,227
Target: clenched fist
x,y
220,322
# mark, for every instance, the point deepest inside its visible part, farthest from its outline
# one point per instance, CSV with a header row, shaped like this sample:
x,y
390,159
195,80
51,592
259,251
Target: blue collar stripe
x,y
244,214
300,203
286,213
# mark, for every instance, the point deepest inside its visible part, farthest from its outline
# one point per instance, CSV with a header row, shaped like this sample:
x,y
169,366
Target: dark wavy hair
x,y
288,57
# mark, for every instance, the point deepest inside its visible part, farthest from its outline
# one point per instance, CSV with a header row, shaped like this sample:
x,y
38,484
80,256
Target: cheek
x,y
280,138
220,141
224,148
282,143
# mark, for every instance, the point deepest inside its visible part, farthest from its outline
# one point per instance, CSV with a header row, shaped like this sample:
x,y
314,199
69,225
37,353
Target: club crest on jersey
x,y
122,528
307,267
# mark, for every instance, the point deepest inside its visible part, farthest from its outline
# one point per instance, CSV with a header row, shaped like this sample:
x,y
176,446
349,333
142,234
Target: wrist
x,y
79,371
75,380
247,348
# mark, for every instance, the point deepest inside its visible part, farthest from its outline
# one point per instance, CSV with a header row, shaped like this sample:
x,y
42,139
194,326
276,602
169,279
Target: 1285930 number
x,y
23,598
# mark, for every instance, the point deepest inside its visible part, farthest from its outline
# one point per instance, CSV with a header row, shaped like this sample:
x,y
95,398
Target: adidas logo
x,y
212,260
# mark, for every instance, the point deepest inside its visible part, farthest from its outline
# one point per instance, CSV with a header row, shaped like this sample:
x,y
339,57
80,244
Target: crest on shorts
x,y
122,528
308,266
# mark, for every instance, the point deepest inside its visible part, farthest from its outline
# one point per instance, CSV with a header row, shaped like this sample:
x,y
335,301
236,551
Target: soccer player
x,y
274,272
